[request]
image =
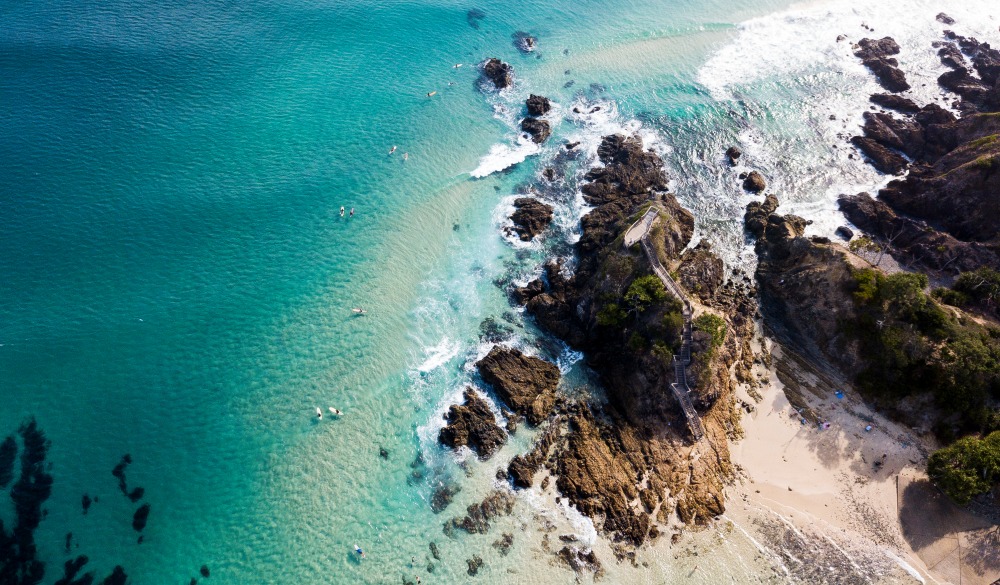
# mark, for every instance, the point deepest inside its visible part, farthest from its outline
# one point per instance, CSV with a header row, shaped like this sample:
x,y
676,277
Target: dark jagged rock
x,y
523,468
755,219
8,453
504,543
538,105
895,102
882,158
801,287
914,242
944,18
499,73
734,154
532,290
475,563
538,129
876,55
951,56
754,182
204,571
845,232
442,497
477,519
526,384
525,42
140,517
530,217
473,425
701,271
571,145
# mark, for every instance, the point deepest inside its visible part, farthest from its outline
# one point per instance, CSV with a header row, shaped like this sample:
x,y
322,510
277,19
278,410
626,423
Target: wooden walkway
x,y
681,391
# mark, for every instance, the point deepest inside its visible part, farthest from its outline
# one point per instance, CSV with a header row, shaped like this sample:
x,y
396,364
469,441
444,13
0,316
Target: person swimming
x,y
457,65
431,93
359,311
319,413
406,156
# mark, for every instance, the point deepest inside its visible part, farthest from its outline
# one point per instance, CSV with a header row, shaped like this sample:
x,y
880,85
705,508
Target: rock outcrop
x,y
754,182
733,154
538,105
877,56
530,217
499,73
803,286
526,384
472,424
538,129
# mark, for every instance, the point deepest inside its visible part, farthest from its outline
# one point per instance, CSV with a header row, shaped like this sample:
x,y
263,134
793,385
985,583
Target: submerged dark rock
x,y
204,571
504,543
117,577
86,502
136,494
442,497
478,516
499,73
8,453
473,17
474,564
434,551
473,425
140,518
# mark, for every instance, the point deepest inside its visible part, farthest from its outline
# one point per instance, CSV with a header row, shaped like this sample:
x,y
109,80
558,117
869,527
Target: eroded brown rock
x,y
526,384
472,424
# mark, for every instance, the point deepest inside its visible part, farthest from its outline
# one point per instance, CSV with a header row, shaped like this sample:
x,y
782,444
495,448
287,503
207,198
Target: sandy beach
x,y
832,470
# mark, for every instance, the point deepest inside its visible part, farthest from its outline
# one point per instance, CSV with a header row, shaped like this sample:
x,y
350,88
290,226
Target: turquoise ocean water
x,y
176,281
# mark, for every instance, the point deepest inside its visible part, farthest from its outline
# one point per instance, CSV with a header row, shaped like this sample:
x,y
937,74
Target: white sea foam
x,y
439,355
503,156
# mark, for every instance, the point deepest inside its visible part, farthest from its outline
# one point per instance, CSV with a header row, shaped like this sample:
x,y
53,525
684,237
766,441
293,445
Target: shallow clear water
x,y
177,280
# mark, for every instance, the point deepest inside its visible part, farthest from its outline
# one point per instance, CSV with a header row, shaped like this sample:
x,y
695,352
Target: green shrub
x,y
950,297
645,291
714,325
611,315
968,467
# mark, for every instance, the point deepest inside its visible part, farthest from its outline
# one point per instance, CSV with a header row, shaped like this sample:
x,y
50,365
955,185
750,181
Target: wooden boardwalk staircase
x,y
639,232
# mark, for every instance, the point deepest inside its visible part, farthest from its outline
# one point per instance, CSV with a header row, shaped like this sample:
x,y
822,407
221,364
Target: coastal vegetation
x,y
913,346
968,467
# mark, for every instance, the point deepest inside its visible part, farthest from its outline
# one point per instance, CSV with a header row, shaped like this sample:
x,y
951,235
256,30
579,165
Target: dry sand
x,y
848,487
